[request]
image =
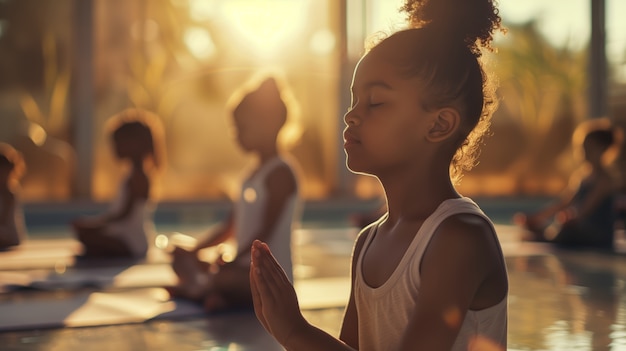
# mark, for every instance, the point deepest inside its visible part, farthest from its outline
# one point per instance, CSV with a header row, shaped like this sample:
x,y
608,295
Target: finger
x,y
257,299
276,272
268,268
263,278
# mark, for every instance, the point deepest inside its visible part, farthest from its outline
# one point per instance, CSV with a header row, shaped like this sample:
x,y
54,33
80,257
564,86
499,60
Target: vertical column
x,y
352,31
597,61
82,99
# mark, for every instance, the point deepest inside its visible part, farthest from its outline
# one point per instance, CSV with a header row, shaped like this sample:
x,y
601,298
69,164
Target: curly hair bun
x,y
471,21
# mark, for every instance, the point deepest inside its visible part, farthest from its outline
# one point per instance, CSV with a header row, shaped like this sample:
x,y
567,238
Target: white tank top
x,y
249,214
137,228
384,312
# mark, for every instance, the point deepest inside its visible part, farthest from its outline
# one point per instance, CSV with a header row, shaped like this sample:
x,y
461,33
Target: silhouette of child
x,y
12,228
267,208
124,229
429,274
585,215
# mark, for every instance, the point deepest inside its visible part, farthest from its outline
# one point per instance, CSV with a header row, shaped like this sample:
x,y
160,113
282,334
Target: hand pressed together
x,y
275,301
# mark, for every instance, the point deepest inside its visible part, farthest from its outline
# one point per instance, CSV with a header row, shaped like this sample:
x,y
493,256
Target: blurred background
x,y
66,66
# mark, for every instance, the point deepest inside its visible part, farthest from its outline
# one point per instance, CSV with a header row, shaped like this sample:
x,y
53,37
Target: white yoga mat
x,y
91,309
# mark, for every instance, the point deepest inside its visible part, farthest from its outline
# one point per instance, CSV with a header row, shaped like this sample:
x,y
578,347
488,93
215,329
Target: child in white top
x,y
12,228
124,230
267,209
419,106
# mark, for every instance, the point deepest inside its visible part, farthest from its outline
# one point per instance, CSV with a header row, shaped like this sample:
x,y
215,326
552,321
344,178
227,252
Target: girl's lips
x,y
349,139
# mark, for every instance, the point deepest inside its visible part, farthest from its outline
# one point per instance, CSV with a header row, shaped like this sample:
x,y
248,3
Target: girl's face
x,y
386,124
593,151
245,127
253,129
128,148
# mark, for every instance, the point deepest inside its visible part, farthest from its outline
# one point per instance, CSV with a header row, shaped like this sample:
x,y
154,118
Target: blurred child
x,y
429,274
585,215
124,230
267,208
12,228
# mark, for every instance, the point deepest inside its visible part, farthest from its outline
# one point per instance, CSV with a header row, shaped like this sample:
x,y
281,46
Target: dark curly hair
x,y
141,125
448,37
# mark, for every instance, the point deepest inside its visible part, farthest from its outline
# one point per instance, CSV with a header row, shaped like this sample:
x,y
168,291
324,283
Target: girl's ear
x,y
444,125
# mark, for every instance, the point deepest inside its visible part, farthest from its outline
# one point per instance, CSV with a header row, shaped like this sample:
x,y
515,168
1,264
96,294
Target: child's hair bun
x,y
471,21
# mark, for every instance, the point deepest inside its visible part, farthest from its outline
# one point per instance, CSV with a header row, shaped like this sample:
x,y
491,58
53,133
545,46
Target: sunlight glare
x,y
199,42
266,24
161,241
322,42
201,10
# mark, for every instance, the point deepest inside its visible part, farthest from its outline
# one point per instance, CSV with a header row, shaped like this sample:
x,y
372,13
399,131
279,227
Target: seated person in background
x,y
12,228
267,207
585,215
123,230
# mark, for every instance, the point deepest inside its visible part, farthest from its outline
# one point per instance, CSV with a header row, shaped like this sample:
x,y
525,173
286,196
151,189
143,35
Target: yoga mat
x,y
91,309
61,253
313,293
40,253
118,277
81,309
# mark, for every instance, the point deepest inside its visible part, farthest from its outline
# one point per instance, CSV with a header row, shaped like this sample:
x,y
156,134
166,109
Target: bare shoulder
x,y
466,247
466,239
467,229
282,176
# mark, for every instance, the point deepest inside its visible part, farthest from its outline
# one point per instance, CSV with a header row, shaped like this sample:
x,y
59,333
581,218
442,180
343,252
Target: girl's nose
x,y
350,118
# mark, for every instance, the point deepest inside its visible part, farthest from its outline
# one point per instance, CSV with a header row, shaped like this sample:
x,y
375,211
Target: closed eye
x,y
372,105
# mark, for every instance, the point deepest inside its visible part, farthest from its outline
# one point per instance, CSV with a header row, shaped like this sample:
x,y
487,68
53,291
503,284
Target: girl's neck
x,y
415,197
137,164
265,155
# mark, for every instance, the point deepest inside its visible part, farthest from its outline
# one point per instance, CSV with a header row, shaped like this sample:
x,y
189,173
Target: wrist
x,y
297,335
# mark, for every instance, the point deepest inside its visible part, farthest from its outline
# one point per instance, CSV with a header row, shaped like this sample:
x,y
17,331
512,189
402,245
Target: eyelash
x,y
369,105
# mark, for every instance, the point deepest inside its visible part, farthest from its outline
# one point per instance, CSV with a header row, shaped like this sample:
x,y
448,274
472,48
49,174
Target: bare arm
x,y
603,187
217,235
460,257
137,188
350,325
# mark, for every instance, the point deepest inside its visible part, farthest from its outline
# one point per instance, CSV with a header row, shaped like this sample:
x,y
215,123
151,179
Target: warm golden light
x,y
161,241
322,42
266,24
452,317
199,42
249,195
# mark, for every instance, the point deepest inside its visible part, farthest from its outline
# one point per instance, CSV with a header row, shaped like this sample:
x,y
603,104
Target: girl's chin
x,y
356,168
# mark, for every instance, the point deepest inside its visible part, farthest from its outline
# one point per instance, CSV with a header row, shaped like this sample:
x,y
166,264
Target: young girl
x,y
267,208
429,274
585,215
12,229
123,231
